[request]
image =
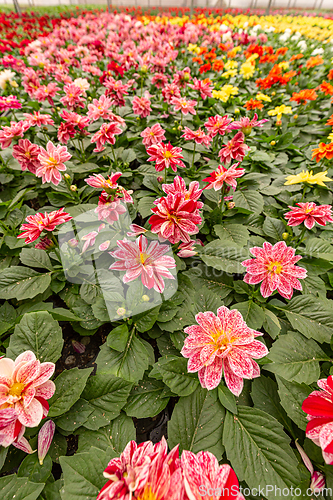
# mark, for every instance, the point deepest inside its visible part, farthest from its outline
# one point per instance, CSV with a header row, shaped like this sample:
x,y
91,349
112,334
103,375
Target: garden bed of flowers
x,y
166,259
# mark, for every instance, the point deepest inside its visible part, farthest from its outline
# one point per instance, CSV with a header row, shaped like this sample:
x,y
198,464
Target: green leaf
x,y
236,233
265,397
224,256
310,316
196,423
145,205
34,257
52,490
19,488
259,450
107,395
69,386
250,200
112,438
83,474
227,399
21,283
175,375
271,324
274,228
39,333
76,416
292,396
253,314
207,277
147,320
31,469
296,358
129,364
118,338
260,156
58,447
146,399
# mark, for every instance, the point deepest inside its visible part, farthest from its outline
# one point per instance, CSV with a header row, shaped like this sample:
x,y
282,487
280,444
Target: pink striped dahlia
x,y
274,266
217,125
149,262
52,163
235,149
165,156
110,185
24,390
42,222
223,175
26,153
223,344
205,479
319,408
153,135
309,213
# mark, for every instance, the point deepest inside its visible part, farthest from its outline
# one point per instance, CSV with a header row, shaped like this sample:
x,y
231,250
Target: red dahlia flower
x,y
274,266
52,163
9,102
217,125
16,130
106,133
141,106
246,125
223,343
42,222
179,186
165,156
26,153
198,136
224,175
309,213
234,150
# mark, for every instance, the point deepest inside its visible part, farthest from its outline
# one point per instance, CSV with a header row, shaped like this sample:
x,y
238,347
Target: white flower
x,y
82,83
6,76
317,51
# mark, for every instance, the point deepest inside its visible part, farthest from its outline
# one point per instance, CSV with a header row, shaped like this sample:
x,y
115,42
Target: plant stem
x,y
195,144
300,239
165,176
113,153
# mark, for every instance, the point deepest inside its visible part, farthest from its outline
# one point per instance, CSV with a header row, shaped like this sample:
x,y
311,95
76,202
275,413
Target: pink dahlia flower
x,y
217,125
165,156
37,119
198,136
309,213
141,106
66,131
52,163
26,154
274,266
153,135
24,389
319,408
224,175
110,186
149,262
75,119
317,478
106,133
16,130
9,102
170,91
175,218
246,125
205,479
109,208
223,344
203,86
186,106
99,108
42,222
179,186
235,149
73,98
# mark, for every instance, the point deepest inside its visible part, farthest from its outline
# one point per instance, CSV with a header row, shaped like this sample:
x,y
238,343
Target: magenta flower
x,y
234,150
73,98
52,163
16,130
217,125
45,437
99,108
170,91
42,222
66,131
141,106
246,125
149,262
198,136
309,213
223,344
153,135
205,479
75,119
203,86
224,175
184,105
26,154
179,186
106,133
24,389
9,102
165,156
274,266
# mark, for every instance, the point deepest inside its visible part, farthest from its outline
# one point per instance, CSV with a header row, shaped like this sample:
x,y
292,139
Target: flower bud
x,y
273,143
73,188
237,111
273,93
278,123
145,298
144,69
23,445
180,127
45,437
160,179
317,482
295,117
67,176
285,236
78,347
121,311
231,205
73,242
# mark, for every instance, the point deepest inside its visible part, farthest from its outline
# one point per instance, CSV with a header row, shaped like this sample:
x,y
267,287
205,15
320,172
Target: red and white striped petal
x,y
30,416
213,374
45,437
240,363
45,372
235,384
326,438
4,389
28,372
46,390
25,357
24,445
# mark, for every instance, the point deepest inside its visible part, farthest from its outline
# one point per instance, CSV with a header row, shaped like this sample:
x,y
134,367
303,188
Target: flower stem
x,y
300,239
195,144
165,175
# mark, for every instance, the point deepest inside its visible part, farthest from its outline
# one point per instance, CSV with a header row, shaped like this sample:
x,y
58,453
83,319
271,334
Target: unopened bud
x,y
160,179
121,311
285,236
45,437
73,188
145,298
237,111
231,205
186,77
273,143
73,242
144,69
273,93
67,176
180,127
295,117
78,347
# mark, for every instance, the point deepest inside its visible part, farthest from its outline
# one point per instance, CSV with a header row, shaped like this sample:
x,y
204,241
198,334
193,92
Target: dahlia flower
x,y
223,344
323,151
109,208
73,98
141,106
165,156
153,135
198,136
274,266
175,218
16,130
184,105
26,154
9,102
317,478
75,119
106,133
179,186
305,176
234,150
217,125
204,87
149,262
99,108
246,125
66,131
170,91
42,222
37,119
24,389
309,213
319,408
224,175
110,185
205,479
52,163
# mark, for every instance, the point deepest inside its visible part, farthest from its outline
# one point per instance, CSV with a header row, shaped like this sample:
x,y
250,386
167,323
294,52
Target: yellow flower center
x,y
147,494
308,210
167,154
52,161
16,389
275,267
143,257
